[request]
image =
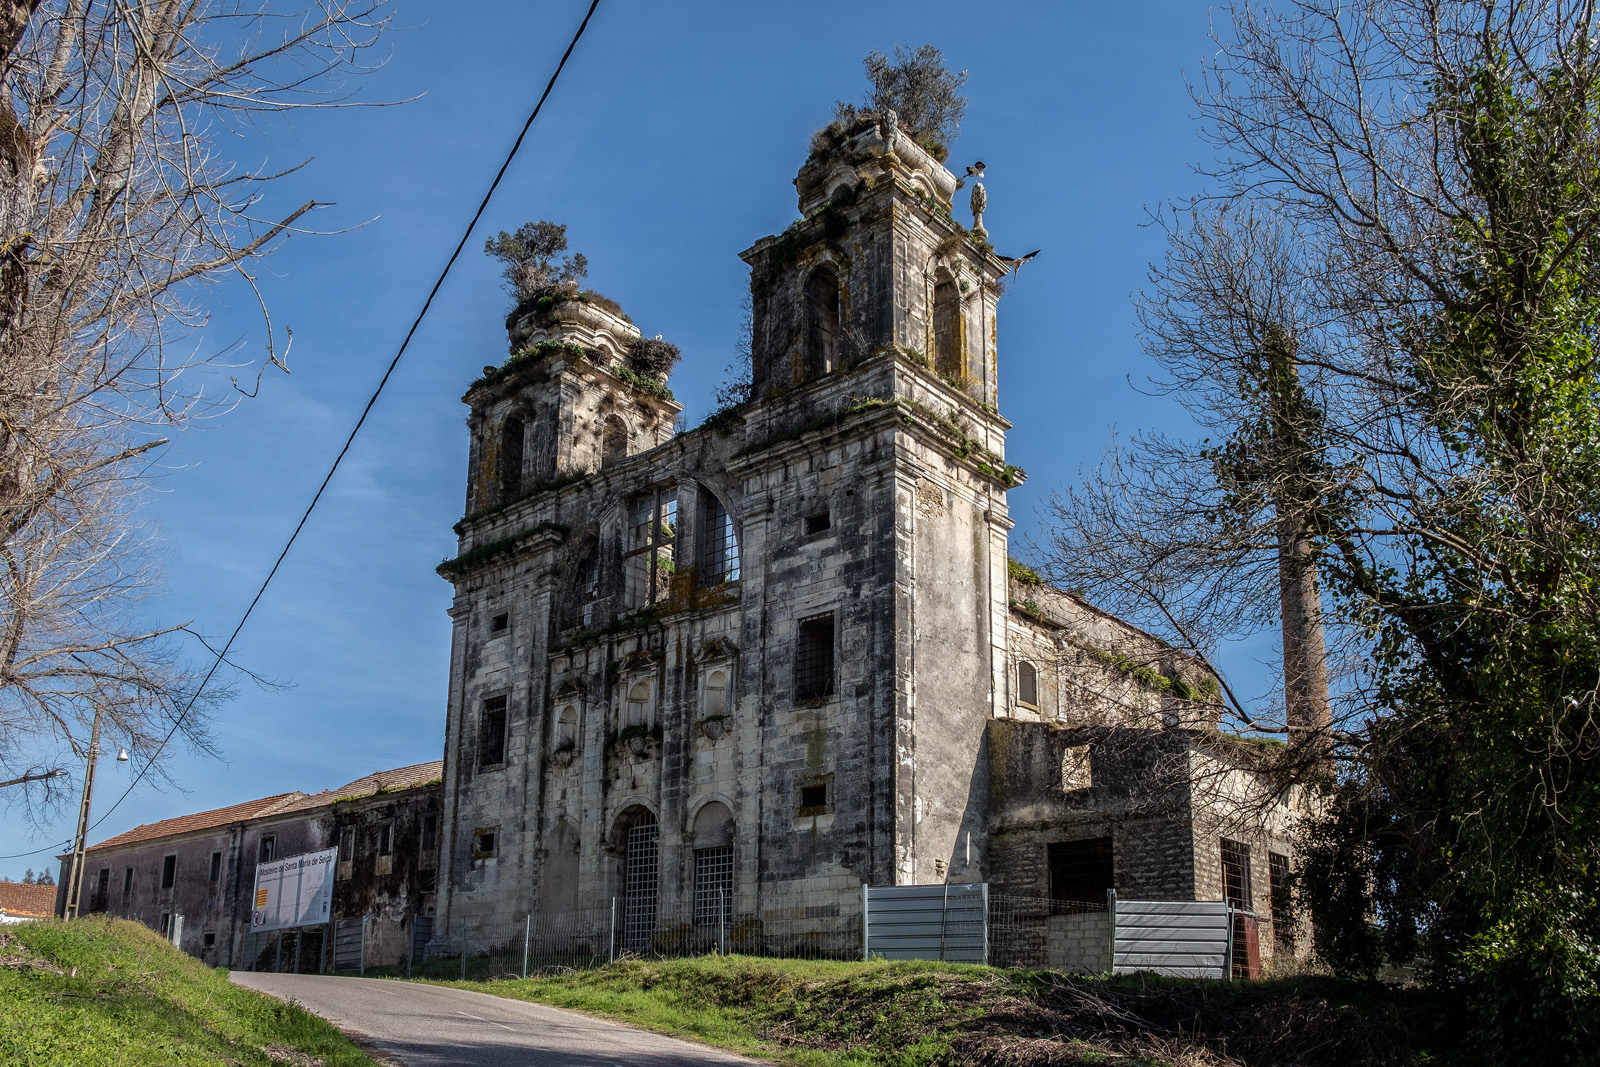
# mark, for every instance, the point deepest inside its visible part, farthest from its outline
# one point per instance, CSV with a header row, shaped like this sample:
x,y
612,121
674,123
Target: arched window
x,y
719,543
713,865
613,441
512,433
715,700
822,321
636,709
1027,685
585,589
947,340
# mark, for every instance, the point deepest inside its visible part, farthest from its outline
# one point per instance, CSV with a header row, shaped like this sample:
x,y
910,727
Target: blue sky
x,y
668,147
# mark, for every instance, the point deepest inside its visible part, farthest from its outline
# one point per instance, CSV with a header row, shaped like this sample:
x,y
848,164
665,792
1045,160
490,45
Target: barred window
x,y
649,562
1282,913
813,662
719,544
1081,872
713,885
1027,684
1236,873
492,733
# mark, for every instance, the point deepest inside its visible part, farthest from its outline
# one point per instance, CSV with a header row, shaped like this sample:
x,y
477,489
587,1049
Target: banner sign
x,y
294,891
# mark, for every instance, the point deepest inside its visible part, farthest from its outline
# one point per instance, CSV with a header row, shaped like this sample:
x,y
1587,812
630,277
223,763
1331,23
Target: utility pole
x,y
75,883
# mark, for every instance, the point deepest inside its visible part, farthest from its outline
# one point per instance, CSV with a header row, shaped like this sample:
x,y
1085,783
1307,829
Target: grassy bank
x,y
112,993
913,1014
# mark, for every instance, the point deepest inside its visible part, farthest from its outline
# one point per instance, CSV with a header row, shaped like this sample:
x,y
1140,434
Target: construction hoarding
x,y
294,891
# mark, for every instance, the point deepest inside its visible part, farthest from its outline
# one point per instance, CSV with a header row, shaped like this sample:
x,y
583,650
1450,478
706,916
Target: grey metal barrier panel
x,y
348,944
928,922
421,934
1181,938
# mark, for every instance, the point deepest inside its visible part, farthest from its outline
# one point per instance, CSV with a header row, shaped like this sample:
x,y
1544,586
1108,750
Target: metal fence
x,y
592,937
926,922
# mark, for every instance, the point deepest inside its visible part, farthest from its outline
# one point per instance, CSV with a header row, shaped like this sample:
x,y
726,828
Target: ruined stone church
x,y
753,665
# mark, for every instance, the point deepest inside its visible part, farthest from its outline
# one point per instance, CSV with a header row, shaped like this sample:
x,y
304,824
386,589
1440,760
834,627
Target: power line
x,y
426,304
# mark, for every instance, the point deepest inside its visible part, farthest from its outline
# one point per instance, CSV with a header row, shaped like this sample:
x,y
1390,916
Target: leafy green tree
x,y
533,262
920,89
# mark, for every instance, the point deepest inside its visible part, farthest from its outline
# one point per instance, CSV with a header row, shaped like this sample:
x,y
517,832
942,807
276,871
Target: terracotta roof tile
x,y
203,820
19,899
418,774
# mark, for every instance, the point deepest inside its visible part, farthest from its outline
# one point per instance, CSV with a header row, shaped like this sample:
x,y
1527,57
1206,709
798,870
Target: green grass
x,y
111,993
925,1014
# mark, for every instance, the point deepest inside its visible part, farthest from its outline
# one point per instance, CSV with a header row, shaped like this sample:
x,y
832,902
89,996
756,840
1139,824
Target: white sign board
x,y
295,891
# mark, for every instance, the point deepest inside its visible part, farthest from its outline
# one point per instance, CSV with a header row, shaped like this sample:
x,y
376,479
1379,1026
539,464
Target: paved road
x,y
432,1026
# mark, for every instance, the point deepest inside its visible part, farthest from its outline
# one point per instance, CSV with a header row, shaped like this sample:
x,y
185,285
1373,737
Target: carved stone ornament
x,y
714,728
891,131
563,755
638,744
980,202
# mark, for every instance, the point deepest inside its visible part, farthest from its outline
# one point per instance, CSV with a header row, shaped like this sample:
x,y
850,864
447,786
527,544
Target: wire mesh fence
x,y
592,937
1024,931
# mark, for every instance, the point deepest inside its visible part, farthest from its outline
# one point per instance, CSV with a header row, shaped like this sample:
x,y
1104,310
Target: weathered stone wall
x,y
1079,944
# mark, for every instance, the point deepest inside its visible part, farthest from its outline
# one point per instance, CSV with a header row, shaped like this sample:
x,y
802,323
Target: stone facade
x,y
784,651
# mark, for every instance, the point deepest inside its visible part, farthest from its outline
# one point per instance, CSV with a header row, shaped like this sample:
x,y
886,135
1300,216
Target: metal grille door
x,y
639,886
713,885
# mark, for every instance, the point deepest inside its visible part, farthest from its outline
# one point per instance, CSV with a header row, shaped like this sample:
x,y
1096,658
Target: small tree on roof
x,y
534,264
919,88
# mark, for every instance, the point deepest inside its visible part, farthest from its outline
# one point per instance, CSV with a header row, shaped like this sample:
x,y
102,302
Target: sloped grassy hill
x,y
99,992
917,1014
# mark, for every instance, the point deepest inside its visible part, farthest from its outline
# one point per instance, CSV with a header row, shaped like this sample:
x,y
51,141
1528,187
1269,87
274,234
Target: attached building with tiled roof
x,y
201,866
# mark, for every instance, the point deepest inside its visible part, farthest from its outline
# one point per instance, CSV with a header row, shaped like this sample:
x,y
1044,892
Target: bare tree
x,y
116,206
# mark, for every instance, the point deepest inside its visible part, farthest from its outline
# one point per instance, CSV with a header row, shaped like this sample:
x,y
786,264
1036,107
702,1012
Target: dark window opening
x,y
1027,685
613,441
347,845
492,733
713,885
719,543
500,622
813,799
385,833
269,849
813,664
216,866
1236,873
166,924
822,321
483,842
1081,873
427,881
102,890
511,438
169,871
818,523
947,330
1282,911
127,885
211,940
430,831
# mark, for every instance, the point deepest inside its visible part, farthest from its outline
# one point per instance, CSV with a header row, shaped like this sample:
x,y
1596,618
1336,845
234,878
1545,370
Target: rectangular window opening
x,y
269,848
492,733
385,832
819,523
1236,873
1081,874
430,832
1282,912
500,622
719,543
169,871
427,881
814,798
127,884
211,941
813,665
216,867
483,844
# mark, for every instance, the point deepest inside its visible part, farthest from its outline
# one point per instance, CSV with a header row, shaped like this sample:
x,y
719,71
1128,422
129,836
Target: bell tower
x,y
876,261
